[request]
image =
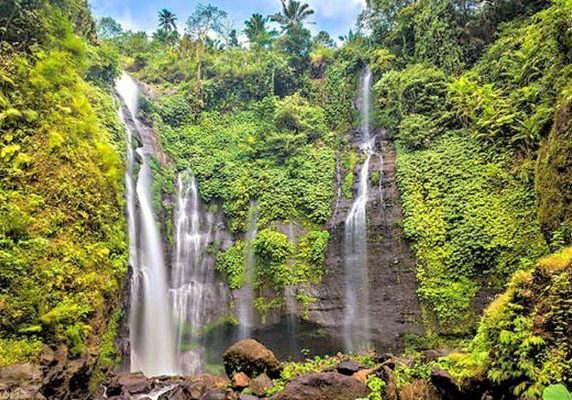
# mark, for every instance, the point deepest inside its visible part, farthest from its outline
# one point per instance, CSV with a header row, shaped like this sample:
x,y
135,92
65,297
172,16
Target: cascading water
x,y
152,334
245,296
356,325
193,279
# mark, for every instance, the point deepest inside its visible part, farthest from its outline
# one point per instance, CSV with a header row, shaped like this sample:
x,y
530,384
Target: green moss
x,y
62,231
14,351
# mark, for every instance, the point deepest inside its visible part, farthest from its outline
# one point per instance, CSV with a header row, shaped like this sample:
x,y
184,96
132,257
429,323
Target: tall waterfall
x,y
193,279
152,335
356,324
245,296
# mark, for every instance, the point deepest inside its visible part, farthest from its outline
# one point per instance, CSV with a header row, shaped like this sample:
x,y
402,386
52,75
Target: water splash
x,y
356,324
151,331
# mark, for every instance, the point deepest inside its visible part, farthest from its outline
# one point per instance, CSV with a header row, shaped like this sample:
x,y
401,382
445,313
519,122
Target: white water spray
x,y
356,324
193,282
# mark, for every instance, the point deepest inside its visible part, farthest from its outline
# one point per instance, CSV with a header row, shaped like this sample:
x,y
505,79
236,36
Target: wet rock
x,y
193,388
133,383
445,383
21,381
65,376
433,355
241,380
214,395
418,389
208,381
245,396
178,393
348,368
468,389
323,386
394,361
362,374
388,376
252,358
261,384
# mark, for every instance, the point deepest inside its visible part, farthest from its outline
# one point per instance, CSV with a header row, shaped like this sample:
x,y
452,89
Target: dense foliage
x,y
524,338
469,141
62,240
476,95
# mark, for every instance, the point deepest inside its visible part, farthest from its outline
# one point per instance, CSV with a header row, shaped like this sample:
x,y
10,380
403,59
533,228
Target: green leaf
x,y
556,392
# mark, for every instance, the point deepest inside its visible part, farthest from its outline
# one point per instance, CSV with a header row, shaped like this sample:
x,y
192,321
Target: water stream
x,y
152,333
356,324
245,295
193,283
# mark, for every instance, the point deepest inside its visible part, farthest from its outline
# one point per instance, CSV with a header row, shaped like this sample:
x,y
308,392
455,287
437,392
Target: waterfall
x,y
193,279
245,295
152,334
356,324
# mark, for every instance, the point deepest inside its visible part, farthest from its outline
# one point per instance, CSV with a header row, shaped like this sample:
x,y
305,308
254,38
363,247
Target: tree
x,y
296,44
324,39
292,15
108,28
206,19
439,34
350,37
167,20
233,39
166,38
257,33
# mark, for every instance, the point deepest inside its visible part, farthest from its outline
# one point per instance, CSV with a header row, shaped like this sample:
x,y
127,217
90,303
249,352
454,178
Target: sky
x,y
335,16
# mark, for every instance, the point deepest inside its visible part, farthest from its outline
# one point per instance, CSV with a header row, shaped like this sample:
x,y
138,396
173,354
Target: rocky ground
x,y
254,373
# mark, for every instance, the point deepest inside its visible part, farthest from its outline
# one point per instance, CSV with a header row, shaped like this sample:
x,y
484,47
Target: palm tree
x,y
293,14
167,20
256,31
350,37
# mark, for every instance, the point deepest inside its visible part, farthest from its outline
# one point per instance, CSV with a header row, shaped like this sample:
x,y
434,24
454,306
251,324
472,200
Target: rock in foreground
x,y
323,386
252,358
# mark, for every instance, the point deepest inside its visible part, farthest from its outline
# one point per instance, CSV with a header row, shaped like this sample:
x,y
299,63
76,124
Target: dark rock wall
x,y
394,305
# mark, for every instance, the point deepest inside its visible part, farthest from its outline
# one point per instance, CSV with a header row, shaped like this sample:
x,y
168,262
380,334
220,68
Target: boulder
x,y
433,355
133,383
323,386
348,368
214,395
241,380
418,389
362,374
252,358
475,388
445,383
194,388
261,384
245,396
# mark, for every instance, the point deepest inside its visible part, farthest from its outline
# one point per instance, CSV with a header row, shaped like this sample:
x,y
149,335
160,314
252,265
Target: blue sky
x,y
334,16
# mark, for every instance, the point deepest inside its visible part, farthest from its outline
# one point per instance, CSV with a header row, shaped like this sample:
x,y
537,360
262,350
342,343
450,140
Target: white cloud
x,y
338,10
128,22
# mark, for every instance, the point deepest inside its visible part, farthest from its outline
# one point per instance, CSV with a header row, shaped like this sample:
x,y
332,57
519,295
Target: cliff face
x,y
394,306
554,177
